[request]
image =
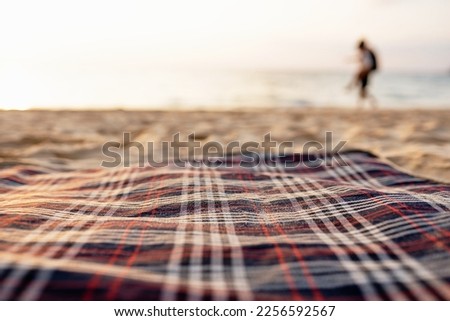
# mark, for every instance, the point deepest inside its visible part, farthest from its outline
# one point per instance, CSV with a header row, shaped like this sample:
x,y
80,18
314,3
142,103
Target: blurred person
x,y
367,64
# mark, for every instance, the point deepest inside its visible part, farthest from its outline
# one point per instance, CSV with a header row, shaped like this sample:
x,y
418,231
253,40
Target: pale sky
x,y
55,52
316,34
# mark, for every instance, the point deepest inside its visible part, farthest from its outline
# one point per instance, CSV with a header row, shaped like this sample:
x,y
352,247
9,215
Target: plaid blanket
x,y
365,231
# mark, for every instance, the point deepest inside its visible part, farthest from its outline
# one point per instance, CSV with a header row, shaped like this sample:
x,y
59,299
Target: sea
x,y
222,89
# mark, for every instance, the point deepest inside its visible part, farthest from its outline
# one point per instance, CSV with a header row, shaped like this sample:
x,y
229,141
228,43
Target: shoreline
x,y
244,108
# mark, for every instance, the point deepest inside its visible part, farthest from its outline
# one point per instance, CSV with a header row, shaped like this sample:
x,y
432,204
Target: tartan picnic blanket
x,y
365,231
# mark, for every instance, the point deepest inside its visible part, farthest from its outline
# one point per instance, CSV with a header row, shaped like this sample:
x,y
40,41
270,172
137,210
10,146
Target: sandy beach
x,y
417,141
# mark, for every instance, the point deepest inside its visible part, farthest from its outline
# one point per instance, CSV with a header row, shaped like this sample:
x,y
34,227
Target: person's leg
x,y
362,89
363,92
371,98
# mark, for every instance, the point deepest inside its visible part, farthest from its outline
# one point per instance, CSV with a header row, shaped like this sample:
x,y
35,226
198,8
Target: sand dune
x,y
417,141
